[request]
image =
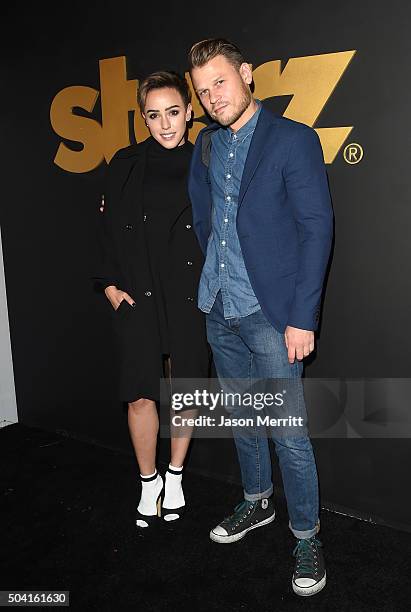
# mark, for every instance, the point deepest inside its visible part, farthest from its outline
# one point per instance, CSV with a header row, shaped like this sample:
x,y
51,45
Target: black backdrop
x,y
61,350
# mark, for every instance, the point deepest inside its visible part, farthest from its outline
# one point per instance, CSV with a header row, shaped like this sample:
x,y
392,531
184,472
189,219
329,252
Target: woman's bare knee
x,y
141,405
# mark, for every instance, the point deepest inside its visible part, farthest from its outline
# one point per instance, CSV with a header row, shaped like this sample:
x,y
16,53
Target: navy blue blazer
x,y
284,219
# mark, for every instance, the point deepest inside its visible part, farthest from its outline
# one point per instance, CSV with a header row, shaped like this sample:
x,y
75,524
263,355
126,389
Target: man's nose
x,y
213,97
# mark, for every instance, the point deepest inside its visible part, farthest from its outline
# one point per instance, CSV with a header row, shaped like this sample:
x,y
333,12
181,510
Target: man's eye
x,y
152,116
202,93
221,81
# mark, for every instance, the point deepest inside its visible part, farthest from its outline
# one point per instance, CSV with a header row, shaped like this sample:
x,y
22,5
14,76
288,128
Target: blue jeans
x,y
251,348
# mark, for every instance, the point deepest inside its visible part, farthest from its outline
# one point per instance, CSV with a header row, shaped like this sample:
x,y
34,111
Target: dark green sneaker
x,y
309,574
247,516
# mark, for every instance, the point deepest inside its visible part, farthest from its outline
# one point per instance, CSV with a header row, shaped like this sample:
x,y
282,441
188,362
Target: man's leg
x,y
292,445
233,361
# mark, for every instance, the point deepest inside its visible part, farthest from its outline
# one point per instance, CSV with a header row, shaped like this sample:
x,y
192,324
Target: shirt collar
x,y
248,127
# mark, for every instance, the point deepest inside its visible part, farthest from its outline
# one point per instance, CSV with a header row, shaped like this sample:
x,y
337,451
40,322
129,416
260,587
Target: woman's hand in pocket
x,y
116,296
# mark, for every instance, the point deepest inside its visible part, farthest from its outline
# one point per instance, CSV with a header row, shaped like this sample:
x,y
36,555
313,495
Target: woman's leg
x,y
181,441
143,427
173,492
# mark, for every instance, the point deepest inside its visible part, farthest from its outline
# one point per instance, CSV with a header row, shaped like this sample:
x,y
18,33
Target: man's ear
x,y
246,72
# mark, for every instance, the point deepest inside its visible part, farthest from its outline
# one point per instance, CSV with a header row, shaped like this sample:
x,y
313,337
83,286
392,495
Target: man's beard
x,y
244,102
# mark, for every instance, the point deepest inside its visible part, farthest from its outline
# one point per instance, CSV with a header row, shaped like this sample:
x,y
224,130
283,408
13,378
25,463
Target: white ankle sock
x,y
173,495
149,493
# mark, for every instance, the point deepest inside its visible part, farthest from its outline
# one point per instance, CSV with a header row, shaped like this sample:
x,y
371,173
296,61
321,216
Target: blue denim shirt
x,y
224,265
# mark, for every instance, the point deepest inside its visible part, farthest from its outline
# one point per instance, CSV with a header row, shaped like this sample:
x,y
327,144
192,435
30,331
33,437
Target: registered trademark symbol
x,y
353,153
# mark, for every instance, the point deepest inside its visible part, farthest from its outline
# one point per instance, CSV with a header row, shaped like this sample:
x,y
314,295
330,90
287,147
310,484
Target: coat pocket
x,y
122,309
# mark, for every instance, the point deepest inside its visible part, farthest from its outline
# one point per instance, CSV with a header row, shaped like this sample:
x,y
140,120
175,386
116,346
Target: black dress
x,y
164,200
150,250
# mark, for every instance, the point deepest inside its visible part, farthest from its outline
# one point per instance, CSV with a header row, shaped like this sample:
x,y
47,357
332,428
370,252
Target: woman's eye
x,y
152,116
174,113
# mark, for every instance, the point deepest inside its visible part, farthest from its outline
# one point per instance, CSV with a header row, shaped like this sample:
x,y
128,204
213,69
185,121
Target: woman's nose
x,y
165,123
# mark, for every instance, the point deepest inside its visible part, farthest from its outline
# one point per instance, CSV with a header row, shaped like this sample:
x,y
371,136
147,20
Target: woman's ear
x,y
189,111
144,117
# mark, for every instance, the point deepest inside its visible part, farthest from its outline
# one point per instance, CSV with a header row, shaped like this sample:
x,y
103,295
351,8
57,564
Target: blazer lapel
x,y
258,145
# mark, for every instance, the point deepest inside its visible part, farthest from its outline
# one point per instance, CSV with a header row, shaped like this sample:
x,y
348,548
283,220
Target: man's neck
x,y
246,116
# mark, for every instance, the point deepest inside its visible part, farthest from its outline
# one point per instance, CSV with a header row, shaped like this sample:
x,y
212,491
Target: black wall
x,y
62,350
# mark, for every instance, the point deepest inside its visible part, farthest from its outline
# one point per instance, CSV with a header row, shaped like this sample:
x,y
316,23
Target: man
x,y
263,217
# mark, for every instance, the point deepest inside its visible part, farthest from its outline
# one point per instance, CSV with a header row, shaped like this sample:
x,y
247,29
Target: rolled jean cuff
x,y
308,533
256,496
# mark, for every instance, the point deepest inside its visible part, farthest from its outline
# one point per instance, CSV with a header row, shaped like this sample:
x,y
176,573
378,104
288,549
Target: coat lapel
x,y
258,145
132,187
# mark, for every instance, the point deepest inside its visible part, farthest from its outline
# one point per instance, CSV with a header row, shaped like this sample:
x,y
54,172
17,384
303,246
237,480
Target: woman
x,y
150,271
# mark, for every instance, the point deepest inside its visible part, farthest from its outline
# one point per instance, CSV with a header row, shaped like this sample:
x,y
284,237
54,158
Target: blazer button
x,y
128,227
189,263
145,218
188,226
190,299
148,293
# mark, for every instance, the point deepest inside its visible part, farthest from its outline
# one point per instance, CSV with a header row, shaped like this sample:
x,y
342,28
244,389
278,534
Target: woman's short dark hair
x,y
159,80
206,50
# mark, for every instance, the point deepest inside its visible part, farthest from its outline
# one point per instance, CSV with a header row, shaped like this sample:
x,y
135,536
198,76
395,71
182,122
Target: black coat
x,y
125,264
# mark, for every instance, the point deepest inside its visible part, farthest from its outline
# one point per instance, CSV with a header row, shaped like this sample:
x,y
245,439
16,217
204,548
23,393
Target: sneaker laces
x,y
239,513
305,555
